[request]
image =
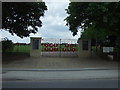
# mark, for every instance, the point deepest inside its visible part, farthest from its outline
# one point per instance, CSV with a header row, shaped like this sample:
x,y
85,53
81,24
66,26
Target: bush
x,y
7,45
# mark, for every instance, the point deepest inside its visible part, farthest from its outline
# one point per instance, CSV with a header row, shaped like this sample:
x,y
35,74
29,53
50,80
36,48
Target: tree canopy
x,y
18,16
103,15
97,20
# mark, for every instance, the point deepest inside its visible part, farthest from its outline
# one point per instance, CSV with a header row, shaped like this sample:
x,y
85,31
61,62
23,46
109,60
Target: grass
x,y
22,48
20,52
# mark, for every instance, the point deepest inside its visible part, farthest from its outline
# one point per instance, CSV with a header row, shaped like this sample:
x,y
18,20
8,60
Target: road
x,y
62,84
83,78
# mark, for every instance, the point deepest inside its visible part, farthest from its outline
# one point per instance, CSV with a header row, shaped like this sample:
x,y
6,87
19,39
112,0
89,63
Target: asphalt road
x,y
83,78
62,84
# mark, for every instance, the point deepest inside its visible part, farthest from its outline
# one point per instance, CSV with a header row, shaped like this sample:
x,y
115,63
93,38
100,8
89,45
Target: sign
x,y
35,44
108,49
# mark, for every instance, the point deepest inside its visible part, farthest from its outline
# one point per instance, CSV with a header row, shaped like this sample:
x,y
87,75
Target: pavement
x,y
60,75
60,72
60,68
61,63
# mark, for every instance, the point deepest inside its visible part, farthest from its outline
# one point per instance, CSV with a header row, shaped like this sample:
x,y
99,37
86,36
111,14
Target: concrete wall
x,y
84,53
35,52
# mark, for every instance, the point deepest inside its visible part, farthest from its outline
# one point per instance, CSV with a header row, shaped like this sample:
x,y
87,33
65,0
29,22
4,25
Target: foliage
x,y
103,15
92,33
18,16
7,45
98,20
102,37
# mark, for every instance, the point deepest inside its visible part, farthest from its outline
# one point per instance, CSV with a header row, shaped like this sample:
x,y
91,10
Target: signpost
x,y
108,49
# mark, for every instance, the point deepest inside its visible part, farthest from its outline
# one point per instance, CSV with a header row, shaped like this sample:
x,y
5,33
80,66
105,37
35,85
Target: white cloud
x,y
35,35
53,20
14,38
53,23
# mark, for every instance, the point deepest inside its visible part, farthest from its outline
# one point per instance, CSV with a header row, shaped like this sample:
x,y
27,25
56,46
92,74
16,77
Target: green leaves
x,y
104,15
17,16
97,20
7,45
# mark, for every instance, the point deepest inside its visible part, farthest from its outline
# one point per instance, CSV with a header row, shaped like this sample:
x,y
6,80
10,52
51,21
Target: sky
x,y
53,24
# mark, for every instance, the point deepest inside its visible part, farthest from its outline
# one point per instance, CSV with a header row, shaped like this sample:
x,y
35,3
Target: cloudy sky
x,y
53,24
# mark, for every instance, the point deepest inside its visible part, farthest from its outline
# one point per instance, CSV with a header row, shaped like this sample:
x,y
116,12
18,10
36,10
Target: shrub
x,y
7,45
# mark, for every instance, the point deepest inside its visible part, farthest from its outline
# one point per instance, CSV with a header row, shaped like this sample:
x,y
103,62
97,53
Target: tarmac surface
x,y
63,84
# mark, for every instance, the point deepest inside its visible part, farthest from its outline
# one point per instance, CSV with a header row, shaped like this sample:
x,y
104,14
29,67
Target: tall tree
x,y
18,16
102,15
98,15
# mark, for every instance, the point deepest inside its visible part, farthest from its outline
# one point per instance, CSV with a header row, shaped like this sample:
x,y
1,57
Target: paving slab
x,y
61,63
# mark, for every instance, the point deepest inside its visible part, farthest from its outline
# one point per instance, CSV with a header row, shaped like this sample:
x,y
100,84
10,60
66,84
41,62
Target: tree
x,y
18,16
102,36
7,45
101,16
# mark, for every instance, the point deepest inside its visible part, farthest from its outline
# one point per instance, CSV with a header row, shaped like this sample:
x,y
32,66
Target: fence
x,y
59,47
